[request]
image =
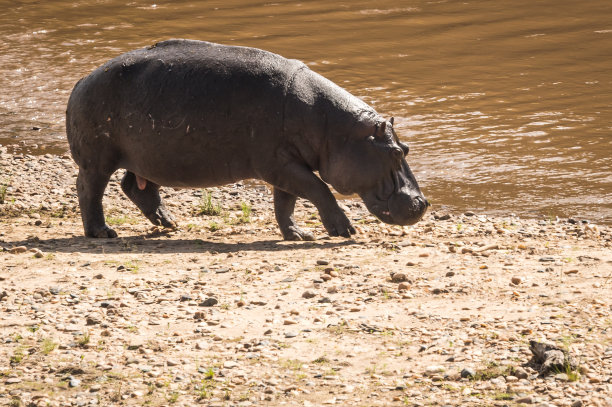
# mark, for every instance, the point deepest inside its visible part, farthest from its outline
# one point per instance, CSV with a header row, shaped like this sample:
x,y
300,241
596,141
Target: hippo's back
x,y
174,75
177,97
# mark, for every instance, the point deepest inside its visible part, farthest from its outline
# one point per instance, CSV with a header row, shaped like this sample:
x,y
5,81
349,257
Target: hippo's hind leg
x,y
90,190
147,200
284,204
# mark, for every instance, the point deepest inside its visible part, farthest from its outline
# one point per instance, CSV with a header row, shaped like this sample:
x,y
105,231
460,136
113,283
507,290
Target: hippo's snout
x,y
406,209
402,208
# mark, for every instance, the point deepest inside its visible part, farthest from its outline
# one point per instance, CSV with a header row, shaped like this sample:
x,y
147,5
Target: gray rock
x,y
521,373
209,302
468,373
308,294
74,382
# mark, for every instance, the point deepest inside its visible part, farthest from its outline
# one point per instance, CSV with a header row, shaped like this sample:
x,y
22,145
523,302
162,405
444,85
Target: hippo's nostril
x,y
421,202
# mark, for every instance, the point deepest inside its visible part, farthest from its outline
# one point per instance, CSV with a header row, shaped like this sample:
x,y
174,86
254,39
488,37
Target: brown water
x,y
507,106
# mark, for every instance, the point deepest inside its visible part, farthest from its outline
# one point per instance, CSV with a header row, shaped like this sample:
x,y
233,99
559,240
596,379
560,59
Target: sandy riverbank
x,y
222,312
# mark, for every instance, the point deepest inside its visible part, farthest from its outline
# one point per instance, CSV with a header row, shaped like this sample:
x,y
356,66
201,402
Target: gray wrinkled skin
x,y
196,114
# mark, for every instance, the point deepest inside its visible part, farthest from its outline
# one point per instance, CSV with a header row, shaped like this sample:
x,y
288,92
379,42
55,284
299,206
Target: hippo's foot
x,y
295,233
338,224
103,232
161,217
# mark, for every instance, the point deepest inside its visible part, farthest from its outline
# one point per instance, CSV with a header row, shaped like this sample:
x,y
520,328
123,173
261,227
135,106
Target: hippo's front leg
x,y
284,204
299,181
90,190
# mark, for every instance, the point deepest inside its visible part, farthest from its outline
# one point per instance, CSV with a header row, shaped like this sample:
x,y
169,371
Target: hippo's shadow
x,y
142,244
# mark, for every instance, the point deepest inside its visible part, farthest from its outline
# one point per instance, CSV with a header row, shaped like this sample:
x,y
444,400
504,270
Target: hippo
x,y
194,114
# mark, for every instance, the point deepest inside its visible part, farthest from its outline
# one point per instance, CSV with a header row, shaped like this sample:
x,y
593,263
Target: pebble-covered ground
x,y
222,312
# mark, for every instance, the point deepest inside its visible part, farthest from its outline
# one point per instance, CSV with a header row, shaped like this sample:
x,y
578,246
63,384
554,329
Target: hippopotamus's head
x,y
371,162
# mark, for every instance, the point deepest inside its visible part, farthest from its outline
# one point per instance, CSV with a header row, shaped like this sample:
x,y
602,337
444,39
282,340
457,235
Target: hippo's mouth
x,y
379,206
388,187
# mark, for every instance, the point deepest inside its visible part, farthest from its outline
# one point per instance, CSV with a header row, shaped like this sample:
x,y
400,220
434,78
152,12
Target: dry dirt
x,y
222,312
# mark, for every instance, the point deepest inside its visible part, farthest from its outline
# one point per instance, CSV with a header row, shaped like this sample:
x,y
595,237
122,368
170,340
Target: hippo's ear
x,y
391,120
379,132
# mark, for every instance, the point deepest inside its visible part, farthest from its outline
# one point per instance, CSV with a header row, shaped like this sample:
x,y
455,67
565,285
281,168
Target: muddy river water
x,y
507,106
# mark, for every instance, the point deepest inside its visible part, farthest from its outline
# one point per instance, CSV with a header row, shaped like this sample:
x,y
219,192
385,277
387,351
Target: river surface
x,y
507,106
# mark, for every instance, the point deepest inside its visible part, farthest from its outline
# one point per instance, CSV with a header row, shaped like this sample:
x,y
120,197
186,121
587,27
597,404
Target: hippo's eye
x,y
370,139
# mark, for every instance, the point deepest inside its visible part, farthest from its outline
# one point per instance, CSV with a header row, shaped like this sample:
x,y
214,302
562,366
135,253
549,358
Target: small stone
x,y
517,280
13,380
290,334
547,259
433,370
92,320
322,262
209,302
185,297
524,400
325,277
229,364
468,373
18,250
95,388
54,290
398,277
308,294
289,322
450,274
98,276
521,373
403,286
74,382
577,403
